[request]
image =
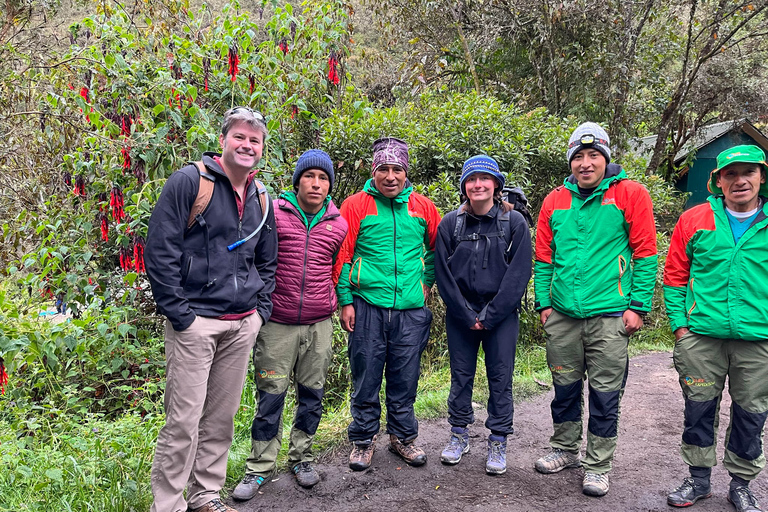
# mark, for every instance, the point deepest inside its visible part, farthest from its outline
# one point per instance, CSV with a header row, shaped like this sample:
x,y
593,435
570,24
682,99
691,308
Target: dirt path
x,y
647,465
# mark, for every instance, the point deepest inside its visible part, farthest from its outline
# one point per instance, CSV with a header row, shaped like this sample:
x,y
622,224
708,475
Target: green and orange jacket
x,y
584,248
388,255
713,285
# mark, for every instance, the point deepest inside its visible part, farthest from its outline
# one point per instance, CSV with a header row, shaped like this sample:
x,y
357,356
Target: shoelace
x,y
745,497
302,467
218,506
496,453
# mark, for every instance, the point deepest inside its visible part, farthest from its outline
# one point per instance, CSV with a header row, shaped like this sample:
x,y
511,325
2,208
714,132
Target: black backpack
x,y
516,197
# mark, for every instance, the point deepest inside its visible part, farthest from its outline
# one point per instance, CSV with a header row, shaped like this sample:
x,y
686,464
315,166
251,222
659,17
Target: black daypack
x,y
516,197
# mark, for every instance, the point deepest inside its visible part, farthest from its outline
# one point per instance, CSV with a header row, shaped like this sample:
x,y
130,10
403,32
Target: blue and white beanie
x,y
589,135
480,163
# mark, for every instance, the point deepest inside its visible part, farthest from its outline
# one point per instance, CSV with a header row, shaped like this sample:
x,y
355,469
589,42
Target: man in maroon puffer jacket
x,y
298,336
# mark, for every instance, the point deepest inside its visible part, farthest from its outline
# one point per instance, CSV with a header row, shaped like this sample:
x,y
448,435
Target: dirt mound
x,y
646,467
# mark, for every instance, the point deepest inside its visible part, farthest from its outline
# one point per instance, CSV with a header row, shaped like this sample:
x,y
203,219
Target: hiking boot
x,y
688,494
743,499
215,505
594,484
248,487
496,464
306,475
558,460
362,453
457,446
411,454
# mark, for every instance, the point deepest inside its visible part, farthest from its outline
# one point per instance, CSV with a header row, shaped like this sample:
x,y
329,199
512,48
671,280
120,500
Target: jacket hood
x,y
402,197
717,191
613,172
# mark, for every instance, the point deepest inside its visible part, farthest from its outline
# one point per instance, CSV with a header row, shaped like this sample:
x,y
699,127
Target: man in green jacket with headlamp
x,y
716,293
594,276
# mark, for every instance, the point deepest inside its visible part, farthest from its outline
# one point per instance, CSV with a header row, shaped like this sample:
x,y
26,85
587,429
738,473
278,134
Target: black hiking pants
x,y
386,342
499,346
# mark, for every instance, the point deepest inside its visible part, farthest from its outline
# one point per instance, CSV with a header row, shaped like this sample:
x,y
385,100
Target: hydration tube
x,y
258,228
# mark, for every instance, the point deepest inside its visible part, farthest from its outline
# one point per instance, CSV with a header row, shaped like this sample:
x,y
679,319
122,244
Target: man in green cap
x,y
716,293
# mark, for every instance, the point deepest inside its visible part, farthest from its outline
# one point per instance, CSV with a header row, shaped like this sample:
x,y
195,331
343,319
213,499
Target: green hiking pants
x,y
593,348
282,351
703,364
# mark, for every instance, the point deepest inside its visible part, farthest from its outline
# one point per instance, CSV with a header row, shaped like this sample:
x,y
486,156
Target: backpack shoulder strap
x,y
263,197
204,193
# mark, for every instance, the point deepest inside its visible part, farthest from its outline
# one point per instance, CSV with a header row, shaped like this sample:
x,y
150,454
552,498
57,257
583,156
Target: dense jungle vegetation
x,y
101,101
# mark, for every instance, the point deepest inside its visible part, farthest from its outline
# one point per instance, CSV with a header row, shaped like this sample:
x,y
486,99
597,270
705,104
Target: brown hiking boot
x,y
411,454
215,505
360,458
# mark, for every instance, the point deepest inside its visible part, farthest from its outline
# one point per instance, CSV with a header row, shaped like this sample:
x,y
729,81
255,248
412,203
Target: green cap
x,y
746,154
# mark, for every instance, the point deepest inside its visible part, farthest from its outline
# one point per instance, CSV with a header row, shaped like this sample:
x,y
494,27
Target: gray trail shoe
x,y
688,494
496,464
457,446
594,484
306,475
558,460
742,498
248,487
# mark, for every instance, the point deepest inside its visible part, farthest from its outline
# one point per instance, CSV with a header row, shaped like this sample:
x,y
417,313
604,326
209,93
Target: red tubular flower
x,y
283,45
80,186
206,70
116,202
333,71
251,84
3,376
104,223
138,254
126,152
233,61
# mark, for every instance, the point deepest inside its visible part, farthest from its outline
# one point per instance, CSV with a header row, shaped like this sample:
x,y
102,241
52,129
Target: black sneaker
x,y
306,475
688,494
743,499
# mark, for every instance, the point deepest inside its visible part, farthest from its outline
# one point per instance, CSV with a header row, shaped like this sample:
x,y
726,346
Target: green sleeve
x,y
674,299
542,284
343,288
643,283
429,268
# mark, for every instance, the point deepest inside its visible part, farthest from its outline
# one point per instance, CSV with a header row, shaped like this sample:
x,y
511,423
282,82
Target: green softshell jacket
x,y
713,285
596,255
387,258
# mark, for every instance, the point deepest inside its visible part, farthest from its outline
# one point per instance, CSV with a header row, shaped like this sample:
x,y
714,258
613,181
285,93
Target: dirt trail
x,y
647,464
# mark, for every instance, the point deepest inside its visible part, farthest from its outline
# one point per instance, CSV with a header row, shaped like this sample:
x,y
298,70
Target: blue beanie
x,y
480,163
313,159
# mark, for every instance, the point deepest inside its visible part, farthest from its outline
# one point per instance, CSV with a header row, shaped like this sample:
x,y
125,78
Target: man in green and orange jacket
x,y
717,301
385,269
594,276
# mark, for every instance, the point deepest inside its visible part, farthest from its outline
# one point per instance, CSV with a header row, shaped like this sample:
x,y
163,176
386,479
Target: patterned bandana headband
x,y
390,151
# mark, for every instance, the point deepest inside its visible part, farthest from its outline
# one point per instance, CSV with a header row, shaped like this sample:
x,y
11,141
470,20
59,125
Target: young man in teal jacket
x,y
716,293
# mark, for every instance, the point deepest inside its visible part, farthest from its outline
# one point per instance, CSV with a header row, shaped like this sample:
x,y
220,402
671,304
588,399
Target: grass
x,y
101,465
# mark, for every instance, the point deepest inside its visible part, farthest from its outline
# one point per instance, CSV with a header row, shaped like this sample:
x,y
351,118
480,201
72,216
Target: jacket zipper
x,y
303,275
394,243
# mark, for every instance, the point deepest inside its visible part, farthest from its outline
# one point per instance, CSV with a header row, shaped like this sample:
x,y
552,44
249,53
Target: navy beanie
x,y
313,159
480,163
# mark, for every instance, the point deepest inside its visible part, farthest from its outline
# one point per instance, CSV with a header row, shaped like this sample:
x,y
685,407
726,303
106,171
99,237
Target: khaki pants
x,y
703,364
594,348
282,351
205,373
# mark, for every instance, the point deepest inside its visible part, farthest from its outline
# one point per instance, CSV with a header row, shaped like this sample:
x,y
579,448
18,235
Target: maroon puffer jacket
x,y
304,289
